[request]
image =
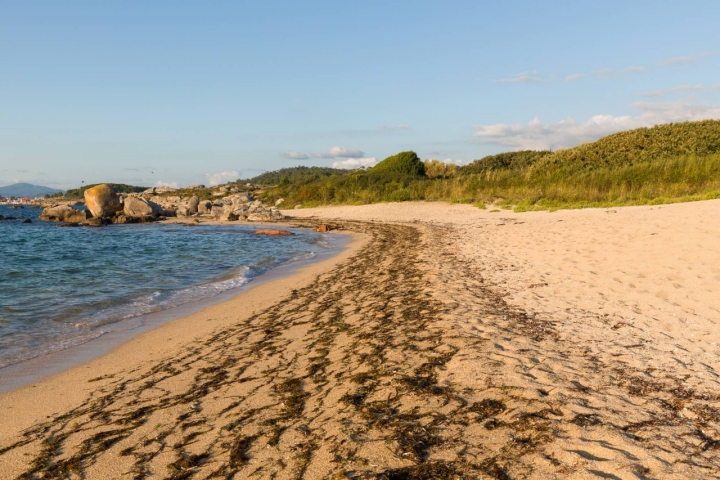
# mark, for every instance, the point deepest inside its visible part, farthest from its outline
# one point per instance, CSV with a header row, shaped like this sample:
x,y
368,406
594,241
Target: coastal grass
x,y
674,162
672,179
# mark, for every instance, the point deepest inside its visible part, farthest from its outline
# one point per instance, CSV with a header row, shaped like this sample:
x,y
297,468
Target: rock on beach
x,y
64,213
139,207
102,201
269,231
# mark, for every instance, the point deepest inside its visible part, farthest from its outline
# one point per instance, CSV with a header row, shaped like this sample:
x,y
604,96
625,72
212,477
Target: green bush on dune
x,y
404,163
639,146
505,161
293,175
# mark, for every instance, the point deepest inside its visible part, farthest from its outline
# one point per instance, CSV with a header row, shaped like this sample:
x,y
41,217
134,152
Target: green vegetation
x,y
404,163
516,161
118,187
667,163
638,146
293,175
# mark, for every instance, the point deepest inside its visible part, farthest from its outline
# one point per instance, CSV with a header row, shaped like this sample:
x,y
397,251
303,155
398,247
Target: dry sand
x,y
450,342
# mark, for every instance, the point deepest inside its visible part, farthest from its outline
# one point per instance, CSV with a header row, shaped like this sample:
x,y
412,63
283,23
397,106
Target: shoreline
x,y
450,342
79,369
36,369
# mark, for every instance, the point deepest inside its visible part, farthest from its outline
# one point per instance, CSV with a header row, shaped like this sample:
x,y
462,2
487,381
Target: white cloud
x,y
390,128
294,155
456,161
668,91
332,152
353,163
567,133
525,77
674,61
222,177
341,152
574,76
160,183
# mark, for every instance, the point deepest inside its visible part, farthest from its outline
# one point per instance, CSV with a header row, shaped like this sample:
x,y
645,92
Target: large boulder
x,y
102,201
265,215
218,210
193,204
139,207
64,213
204,207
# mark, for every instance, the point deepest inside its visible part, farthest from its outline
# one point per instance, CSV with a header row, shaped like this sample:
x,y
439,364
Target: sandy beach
x,y
446,342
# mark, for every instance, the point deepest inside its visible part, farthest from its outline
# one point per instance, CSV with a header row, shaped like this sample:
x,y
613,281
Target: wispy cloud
x,y
392,128
353,163
537,135
294,155
222,177
339,152
160,183
675,61
606,72
668,91
633,69
616,72
332,152
531,76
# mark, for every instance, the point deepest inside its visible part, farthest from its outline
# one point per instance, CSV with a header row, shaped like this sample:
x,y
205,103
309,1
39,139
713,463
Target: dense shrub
x,y
638,146
404,163
293,175
505,161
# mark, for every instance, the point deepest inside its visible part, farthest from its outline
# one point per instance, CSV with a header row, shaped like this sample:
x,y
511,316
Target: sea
x,y
63,287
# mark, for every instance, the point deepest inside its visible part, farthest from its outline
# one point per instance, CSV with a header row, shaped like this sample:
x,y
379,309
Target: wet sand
x,y
450,342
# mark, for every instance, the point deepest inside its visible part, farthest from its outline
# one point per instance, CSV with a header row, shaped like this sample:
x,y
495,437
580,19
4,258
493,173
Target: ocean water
x,y
61,287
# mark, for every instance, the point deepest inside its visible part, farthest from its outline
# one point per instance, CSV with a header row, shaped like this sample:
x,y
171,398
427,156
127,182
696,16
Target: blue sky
x,y
180,92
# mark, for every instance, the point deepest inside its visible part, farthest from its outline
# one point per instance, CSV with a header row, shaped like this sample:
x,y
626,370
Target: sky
x,y
182,92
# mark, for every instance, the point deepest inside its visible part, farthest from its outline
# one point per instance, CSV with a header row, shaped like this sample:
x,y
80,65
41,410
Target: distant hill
x,y
26,190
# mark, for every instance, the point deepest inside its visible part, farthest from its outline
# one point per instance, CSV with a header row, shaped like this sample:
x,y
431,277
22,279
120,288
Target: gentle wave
x,y
62,287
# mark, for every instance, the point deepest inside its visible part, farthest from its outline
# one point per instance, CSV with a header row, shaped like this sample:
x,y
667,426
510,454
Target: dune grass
x,y
675,179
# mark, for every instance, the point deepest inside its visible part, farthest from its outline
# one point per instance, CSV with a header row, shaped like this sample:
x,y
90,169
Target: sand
x,y
448,342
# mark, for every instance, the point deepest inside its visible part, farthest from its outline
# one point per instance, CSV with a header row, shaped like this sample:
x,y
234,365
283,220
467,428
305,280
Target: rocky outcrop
x,y
64,213
268,231
102,201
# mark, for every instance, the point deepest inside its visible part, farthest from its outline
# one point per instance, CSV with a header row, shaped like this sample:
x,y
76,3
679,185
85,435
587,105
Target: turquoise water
x,y
61,287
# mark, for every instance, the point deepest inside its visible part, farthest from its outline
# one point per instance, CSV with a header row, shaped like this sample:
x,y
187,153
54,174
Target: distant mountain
x,y
26,190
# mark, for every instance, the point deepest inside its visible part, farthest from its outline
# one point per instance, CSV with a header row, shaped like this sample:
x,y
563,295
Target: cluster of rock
x,y
105,206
